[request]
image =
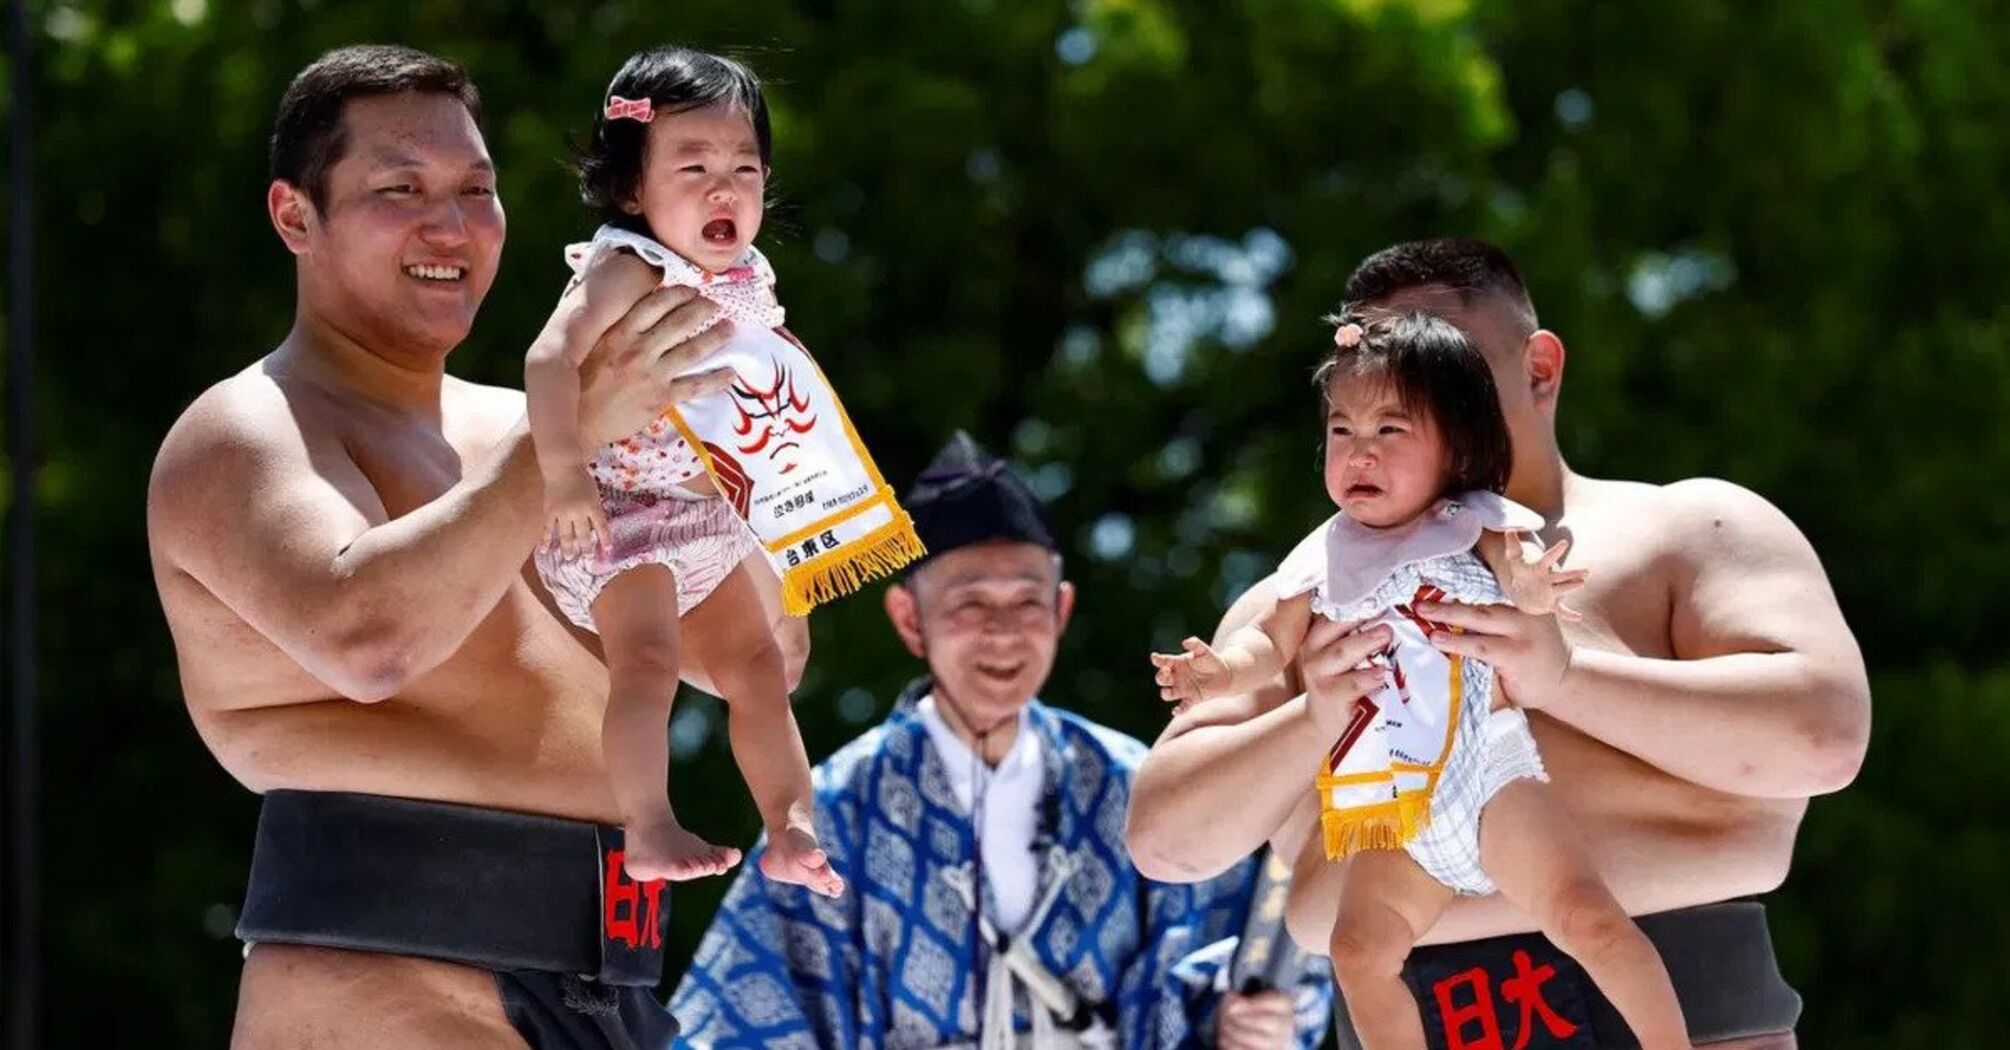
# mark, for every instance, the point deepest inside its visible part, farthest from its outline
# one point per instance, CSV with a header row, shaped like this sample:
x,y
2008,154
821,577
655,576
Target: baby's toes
x,y
817,875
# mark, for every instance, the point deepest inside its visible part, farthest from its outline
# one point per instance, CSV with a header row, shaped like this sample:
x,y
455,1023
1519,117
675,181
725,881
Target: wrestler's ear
x,y
905,612
292,214
1542,359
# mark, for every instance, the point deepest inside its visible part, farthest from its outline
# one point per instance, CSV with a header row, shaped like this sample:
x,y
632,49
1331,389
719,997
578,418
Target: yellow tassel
x,y
878,553
1351,831
1415,810
1385,825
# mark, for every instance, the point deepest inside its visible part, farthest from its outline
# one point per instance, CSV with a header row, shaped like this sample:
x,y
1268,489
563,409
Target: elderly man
x,y
1710,690
340,536
992,902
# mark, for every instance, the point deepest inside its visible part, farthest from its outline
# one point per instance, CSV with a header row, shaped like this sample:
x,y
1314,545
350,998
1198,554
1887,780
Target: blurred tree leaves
x,y
1099,235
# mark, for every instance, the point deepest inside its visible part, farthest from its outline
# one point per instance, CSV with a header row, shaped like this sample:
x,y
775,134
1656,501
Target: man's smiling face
x,y
407,241
987,618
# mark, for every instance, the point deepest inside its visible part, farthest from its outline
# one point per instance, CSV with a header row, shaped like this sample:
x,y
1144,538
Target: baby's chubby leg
x,y
792,633
636,615
1387,902
730,635
1532,853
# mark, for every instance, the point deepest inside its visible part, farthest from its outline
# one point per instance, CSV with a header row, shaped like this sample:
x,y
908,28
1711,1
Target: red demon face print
x,y
771,419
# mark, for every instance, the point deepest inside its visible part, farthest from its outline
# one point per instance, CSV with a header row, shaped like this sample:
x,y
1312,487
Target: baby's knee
x,y
1363,948
752,671
1585,919
792,636
655,653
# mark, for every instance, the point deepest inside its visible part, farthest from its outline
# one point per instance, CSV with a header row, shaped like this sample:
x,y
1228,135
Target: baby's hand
x,y
574,518
1191,676
1537,586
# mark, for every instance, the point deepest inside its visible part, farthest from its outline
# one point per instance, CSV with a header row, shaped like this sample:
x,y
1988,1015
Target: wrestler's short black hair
x,y
1466,267
673,79
308,137
1439,373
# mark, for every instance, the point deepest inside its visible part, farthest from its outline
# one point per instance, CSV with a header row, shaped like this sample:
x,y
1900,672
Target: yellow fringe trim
x,y
1385,825
878,553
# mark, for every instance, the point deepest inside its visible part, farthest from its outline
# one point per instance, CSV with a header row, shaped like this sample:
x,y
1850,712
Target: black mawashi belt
x,y
1520,992
499,890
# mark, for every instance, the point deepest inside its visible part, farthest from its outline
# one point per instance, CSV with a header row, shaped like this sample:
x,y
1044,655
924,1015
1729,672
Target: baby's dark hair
x,y
1437,372
673,79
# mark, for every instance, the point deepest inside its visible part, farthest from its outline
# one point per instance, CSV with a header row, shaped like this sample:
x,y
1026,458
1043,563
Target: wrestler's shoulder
x,y
1701,514
1715,496
1676,503
495,407
485,396
242,413
247,397
1119,753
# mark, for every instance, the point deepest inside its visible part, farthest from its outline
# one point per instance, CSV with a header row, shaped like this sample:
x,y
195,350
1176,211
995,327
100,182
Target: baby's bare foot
x,y
662,849
794,857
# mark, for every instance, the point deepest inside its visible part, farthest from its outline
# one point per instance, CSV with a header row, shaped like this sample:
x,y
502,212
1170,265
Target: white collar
x,y
1020,763
1010,823
1346,560
745,292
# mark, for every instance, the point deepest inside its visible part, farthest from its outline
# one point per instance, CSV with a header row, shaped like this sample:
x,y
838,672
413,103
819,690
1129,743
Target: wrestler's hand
x,y
1528,652
575,522
1191,676
1258,1021
1333,664
1536,585
634,371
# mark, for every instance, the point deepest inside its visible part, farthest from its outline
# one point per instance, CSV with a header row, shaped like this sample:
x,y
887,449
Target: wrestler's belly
x,y
298,996
511,720
414,752
1659,842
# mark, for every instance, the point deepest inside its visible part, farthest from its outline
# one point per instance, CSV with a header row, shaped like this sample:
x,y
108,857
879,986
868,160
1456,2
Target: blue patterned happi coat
x,y
896,964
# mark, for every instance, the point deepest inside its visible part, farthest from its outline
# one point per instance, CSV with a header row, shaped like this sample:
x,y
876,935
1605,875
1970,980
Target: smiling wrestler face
x,y
987,619
406,246
702,184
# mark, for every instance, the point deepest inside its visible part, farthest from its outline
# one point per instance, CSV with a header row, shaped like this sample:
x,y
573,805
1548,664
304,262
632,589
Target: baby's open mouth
x,y
1363,490
720,233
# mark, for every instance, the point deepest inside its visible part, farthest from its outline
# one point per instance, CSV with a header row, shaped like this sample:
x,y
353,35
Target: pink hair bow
x,y
1347,336
636,109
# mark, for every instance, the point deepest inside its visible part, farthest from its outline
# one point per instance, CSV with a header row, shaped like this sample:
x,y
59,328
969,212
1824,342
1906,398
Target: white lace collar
x,y
1347,560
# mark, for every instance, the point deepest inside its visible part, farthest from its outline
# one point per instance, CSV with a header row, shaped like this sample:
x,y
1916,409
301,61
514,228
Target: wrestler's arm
x,y
278,521
283,527
1766,694
1226,773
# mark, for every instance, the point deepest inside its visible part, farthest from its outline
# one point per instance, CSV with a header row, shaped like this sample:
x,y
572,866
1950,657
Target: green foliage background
x,y
1099,234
